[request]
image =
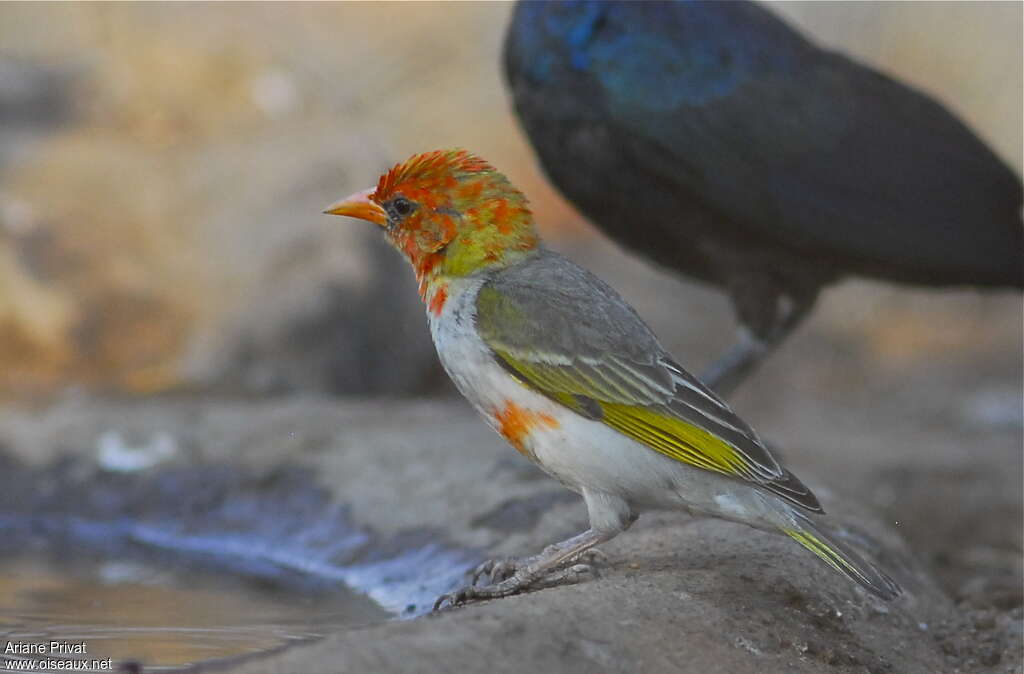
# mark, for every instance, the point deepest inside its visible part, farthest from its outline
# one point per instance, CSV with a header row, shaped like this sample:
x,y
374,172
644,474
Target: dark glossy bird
x,y
718,141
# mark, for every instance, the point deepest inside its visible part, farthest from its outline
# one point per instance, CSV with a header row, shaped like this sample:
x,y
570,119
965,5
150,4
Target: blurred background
x,y
162,173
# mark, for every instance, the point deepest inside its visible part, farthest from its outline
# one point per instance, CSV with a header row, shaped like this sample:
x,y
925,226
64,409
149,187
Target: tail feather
x,y
844,560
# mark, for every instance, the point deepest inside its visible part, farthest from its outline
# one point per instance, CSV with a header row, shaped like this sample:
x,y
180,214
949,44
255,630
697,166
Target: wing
x,y
561,331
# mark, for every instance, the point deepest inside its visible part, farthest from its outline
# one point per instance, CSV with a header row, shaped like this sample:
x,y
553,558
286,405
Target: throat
x,y
433,286
436,272
428,269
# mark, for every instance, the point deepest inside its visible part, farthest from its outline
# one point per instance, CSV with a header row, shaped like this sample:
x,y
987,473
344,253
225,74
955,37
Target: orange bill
x,y
359,205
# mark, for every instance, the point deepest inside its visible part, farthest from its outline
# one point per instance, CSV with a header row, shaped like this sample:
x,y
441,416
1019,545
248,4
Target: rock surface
x,y
676,594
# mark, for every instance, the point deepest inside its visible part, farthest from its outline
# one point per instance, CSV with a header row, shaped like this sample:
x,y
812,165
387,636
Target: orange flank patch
x,y
438,299
515,424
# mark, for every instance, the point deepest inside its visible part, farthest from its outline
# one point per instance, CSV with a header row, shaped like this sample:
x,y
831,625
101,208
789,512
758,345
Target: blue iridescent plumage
x,y
719,141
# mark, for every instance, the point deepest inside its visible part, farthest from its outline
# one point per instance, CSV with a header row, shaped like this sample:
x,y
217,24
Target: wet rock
x,y
676,594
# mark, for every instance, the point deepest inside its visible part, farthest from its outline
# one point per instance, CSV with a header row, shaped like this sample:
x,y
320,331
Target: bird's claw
x,y
453,599
510,575
517,582
495,570
567,576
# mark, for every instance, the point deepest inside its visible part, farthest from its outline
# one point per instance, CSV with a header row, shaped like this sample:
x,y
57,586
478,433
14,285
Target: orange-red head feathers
x,y
450,212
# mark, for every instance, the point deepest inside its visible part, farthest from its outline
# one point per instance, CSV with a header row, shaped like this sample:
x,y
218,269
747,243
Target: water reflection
x,y
165,617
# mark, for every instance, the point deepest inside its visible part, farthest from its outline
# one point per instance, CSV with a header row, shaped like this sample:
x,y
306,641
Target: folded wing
x,y
562,332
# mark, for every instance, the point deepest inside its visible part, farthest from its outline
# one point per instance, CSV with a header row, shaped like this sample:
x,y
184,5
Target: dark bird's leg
x,y
768,309
737,363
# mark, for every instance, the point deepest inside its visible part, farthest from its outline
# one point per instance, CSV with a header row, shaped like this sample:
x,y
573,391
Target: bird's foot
x,y
497,570
468,593
522,579
558,564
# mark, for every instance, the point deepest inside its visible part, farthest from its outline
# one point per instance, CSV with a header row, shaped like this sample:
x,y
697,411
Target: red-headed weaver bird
x,y
566,371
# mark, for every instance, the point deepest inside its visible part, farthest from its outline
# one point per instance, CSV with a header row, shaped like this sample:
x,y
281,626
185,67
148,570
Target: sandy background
x,y
163,168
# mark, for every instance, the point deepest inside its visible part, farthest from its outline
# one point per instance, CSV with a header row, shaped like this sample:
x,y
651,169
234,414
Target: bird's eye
x,y
402,206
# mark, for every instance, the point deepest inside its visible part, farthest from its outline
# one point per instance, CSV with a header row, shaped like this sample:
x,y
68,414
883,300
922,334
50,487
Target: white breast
x,y
465,356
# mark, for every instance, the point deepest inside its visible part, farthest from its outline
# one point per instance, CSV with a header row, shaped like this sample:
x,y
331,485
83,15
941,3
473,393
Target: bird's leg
x,y
739,360
766,317
609,515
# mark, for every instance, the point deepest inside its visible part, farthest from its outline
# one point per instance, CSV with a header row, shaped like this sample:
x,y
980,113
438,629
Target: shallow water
x,y
279,526
165,616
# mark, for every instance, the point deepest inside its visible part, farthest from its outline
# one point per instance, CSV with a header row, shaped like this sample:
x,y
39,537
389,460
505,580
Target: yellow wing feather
x,y
675,438
663,433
